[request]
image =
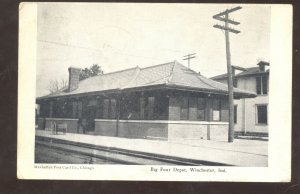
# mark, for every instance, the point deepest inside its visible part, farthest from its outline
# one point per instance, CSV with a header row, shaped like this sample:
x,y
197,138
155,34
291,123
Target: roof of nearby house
x,y
169,75
252,71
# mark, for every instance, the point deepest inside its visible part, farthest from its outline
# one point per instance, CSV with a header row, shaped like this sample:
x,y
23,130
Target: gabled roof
x,y
221,76
252,71
169,75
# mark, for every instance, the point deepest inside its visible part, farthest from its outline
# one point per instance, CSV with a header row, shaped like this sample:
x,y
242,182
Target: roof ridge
x,y
93,77
137,72
200,77
171,72
156,65
118,71
141,68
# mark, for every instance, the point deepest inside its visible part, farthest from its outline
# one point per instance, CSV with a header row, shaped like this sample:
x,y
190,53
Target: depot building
x,y
166,101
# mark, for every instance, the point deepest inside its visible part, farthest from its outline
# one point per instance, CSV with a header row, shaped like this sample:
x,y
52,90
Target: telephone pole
x,y
224,17
189,57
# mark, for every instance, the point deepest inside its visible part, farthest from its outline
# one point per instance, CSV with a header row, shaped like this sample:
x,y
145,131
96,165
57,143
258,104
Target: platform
x,y
242,152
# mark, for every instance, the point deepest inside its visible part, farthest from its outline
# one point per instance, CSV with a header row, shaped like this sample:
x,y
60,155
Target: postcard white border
x,y
278,170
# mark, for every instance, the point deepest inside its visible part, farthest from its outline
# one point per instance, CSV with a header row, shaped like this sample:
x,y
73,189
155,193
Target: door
x,y
90,119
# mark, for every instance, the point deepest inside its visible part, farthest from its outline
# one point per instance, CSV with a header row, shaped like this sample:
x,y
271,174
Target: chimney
x,y
262,65
73,78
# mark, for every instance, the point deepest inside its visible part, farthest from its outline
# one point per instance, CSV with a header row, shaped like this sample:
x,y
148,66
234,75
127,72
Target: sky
x,y
118,36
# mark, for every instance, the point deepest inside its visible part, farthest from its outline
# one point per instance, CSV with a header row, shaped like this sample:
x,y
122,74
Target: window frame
x,y
182,98
256,114
219,109
204,109
261,85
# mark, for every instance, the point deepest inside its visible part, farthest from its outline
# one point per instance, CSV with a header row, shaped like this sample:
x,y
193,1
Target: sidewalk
x,y
239,153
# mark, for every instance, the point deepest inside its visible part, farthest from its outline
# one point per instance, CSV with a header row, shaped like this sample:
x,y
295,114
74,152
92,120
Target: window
x,y
235,82
113,108
109,108
201,106
150,108
130,107
264,81
105,108
216,110
147,108
74,111
235,114
184,105
161,107
262,114
192,108
79,109
142,105
262,85
99,111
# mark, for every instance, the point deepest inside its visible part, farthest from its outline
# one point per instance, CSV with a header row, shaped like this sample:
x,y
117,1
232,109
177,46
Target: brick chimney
x,y
73,78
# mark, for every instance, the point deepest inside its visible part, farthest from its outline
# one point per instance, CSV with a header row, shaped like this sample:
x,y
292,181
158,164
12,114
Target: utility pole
x,y
189,57
224,17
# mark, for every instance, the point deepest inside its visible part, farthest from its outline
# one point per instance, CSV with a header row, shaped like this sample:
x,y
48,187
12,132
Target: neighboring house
x,y
251,115
166,101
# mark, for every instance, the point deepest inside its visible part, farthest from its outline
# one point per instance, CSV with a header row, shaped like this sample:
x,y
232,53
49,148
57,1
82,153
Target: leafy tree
x,y
94,70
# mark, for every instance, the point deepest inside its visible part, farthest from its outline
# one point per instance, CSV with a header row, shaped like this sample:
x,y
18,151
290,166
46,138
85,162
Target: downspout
x,y
209,113
118,115
245,116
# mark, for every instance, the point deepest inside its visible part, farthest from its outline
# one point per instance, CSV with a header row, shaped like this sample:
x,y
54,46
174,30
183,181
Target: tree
x,y
94,70
55,85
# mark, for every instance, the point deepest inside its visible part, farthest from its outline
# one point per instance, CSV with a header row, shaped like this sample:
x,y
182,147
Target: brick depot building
x,y
166,101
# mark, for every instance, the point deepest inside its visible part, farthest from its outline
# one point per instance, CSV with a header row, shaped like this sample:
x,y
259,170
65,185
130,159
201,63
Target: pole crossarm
x,y
189,55
224,20
227,11
228,29
189,58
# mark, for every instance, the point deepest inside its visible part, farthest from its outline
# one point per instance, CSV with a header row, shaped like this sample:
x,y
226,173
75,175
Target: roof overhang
x,y
237,95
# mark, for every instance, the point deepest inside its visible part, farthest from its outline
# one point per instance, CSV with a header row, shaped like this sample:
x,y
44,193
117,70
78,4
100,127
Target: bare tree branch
x,y
55,85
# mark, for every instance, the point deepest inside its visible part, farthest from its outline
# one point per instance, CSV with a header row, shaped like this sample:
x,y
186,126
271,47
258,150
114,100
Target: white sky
x,y
119,36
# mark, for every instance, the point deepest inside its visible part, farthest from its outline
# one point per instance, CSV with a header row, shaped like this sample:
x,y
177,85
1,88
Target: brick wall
x,y
106,128
187,131
174,109
132,129
219,132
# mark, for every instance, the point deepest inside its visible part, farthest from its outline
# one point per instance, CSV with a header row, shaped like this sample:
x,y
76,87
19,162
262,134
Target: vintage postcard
x,y
155,92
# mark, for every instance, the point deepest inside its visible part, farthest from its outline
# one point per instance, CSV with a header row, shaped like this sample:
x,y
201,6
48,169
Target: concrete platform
x,y
250,153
